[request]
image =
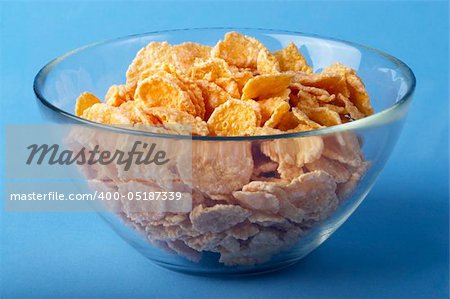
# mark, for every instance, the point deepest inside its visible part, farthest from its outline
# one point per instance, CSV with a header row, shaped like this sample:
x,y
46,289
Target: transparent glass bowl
x,y
305,214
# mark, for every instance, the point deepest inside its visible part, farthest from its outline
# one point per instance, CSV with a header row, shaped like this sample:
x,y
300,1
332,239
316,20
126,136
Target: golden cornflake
x,y
234,118
105,114
304,120
211,69
333,83
183,82
186,54
150,57
349,108
290,59
171,116
238,50
318,94
118,94
213,95
241,77
272,110
230,86
288,122
267,63
157,91
358,94
265,86
84,101
322,115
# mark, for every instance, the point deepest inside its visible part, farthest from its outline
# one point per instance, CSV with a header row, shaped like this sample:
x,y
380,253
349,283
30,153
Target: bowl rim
x,y
368,121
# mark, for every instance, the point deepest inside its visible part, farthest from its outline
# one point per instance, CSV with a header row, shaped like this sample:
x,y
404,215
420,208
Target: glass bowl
x,y
244,218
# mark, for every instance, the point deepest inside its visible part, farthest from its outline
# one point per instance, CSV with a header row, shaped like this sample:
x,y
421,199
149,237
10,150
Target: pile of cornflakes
x,y
235,88
251,199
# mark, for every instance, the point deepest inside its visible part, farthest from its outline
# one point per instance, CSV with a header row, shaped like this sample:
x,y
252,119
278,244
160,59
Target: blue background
x,y
394,246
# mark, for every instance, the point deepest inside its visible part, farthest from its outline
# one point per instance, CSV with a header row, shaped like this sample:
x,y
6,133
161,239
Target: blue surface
x,y
394,246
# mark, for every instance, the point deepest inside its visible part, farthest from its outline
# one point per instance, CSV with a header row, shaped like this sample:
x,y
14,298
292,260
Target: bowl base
x,y
230,272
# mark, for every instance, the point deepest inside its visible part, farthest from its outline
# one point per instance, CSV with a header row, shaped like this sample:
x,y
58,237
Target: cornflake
x,y
186,54
171,116
157,91
292,154
258,201
117,95
105,114
267,63
238,50
264,86
217,218
334,168
358,93
290,59
272,110
219,168
234,118
150,57
84,101
213,95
